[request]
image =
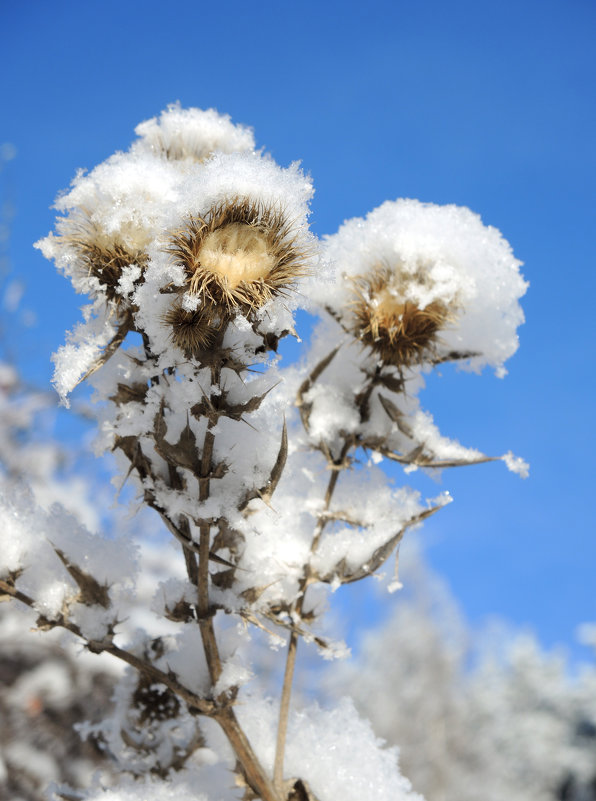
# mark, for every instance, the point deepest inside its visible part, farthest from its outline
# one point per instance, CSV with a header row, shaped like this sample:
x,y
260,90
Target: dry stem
x,y
203,705
336,466
254,774
284,707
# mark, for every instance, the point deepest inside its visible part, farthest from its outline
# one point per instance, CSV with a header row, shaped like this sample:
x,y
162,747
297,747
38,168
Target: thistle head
x,y
104,257
192,331
236,258
387,316
417,282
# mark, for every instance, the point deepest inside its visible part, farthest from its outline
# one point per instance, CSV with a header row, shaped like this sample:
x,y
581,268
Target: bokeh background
x,y
485,105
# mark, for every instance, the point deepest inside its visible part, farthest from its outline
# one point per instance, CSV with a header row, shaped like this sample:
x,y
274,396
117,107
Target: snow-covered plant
x,y
195,251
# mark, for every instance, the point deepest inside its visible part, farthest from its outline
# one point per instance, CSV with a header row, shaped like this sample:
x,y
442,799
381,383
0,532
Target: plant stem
x,y
284,713
286,693
336,466
253,772
159,676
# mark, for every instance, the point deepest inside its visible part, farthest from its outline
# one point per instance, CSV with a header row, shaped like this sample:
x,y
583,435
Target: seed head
x,y
400,330
238,257
102,256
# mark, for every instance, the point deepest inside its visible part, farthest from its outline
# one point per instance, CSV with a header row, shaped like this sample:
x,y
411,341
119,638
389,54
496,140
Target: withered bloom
x,y
239,256
399,329
105,257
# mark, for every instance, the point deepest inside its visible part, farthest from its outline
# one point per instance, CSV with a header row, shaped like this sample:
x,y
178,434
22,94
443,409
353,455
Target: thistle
x,y
212,449
400,329
104,257
237,257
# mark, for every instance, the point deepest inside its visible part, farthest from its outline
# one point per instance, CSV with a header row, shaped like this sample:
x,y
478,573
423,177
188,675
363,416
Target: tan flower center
x,y
386,312
238,252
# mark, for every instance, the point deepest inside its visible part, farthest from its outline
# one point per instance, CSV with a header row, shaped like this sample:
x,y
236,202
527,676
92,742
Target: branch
x,y
202,705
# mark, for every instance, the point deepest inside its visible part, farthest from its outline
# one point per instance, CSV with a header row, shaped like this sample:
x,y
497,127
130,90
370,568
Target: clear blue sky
x,y
488,105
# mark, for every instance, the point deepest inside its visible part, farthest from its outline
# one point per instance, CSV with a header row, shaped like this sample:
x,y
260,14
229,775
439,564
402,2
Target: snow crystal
x,y
84,347
234,674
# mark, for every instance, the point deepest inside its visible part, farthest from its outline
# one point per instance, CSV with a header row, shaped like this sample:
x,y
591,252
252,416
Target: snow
x,y
191,134
516,464
334,750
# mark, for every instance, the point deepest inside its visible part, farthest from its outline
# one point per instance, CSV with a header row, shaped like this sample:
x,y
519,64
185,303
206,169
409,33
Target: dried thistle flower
x,y
105,257
238,256
192,331
400,329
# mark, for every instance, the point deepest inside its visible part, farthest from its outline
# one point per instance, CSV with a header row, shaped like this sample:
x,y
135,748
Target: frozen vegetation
x,y
194,251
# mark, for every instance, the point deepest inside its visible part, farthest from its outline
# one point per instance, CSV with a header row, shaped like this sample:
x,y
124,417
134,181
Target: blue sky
x,y
481,104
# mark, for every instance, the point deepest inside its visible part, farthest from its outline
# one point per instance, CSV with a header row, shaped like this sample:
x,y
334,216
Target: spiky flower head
x,y
192,331
236,258
417,282
188,230
104,257
400,330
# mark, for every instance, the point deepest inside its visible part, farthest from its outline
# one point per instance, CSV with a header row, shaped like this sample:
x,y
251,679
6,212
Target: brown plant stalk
x,y
336,466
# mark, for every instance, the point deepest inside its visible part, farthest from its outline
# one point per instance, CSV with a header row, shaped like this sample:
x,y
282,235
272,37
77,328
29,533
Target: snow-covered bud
x,y
102,258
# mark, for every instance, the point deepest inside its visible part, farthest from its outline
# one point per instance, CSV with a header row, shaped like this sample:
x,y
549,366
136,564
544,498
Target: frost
x,y
84,348
233,674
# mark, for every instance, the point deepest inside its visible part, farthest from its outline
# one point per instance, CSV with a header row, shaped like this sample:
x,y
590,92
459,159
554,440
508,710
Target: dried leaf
x,y
236,412
380,555
181,612
131,448
252,594
456,355
224,579
278,468
133,393
265,493
183,453
417,458
415,455
307,384
396,416
391,381
226,537
92,593
110,348
43,624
